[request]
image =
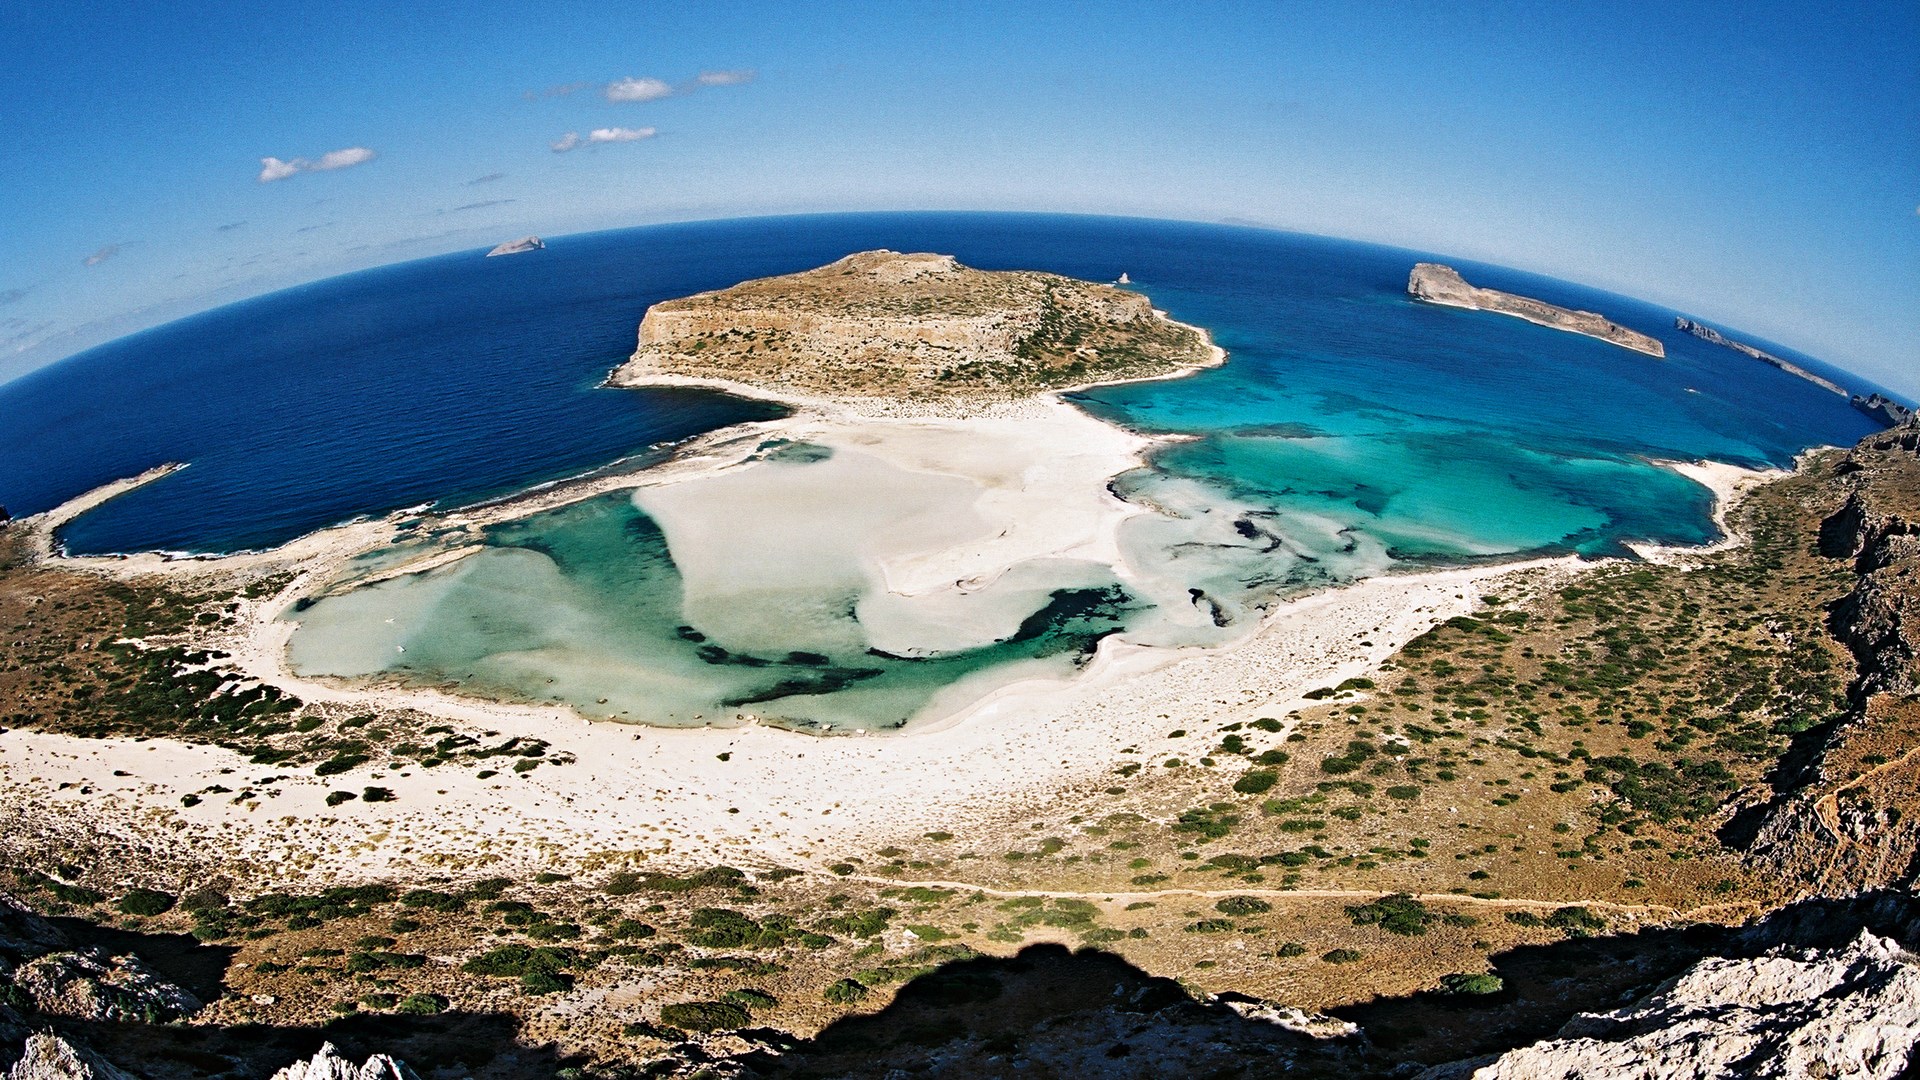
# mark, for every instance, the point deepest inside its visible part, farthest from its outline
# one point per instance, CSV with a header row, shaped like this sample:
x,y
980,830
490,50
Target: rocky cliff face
x,y
912,326
1806,1014
1439,284
1853,822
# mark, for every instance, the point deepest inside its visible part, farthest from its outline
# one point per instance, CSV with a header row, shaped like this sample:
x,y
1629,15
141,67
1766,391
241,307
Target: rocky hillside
x,y
1439,284
1847,814
913,326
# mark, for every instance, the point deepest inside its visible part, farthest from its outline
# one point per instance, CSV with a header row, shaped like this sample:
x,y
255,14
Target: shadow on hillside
x,y
486,1046
1051,1012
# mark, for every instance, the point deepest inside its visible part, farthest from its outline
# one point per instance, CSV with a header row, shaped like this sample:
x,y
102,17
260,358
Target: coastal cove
x,y
751,576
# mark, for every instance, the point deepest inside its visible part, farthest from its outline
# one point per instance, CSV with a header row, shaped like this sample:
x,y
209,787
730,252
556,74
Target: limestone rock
x,y
46,1056
1814,1014
329,1064
88,984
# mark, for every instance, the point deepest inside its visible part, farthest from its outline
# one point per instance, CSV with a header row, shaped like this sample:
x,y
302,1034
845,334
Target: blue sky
x,y
1756,164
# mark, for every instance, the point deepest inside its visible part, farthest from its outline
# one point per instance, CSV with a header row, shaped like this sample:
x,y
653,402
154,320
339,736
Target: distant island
x,y
515,247
1708,333
920,327
1438,284
1881,408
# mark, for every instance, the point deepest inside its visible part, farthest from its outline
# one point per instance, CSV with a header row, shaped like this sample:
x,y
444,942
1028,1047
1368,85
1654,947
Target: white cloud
x,y
632,89
724,78
619,134
102,255
572,140
272,168
342,159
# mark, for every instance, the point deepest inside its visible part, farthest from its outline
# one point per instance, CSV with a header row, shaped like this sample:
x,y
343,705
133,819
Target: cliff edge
x,y
1438,284
923,327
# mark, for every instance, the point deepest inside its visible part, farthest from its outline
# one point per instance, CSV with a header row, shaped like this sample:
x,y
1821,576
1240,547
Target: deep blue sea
x,y
1441,433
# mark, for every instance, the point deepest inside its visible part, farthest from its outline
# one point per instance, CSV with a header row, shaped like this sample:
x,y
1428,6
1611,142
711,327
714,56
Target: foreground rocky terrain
x,y
1653,816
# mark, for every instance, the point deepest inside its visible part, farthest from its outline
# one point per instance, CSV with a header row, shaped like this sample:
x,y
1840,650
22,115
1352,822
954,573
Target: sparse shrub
x,y
1466,983
1242,905
705,1015
1256,781
749,998
1342,956
335,798
845,992
421,1004
146,902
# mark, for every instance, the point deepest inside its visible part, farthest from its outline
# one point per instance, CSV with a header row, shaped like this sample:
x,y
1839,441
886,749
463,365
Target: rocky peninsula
x,y
1438,284
1708,333
914,328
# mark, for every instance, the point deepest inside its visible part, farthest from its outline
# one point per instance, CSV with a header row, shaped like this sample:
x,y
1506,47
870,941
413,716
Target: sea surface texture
x,y
1354,430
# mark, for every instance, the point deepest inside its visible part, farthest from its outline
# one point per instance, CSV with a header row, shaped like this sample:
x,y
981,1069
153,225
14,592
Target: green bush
x,y
1342,956
705,1015
545,982
339,763
146,902
845,992
1256,781
749,998
376,794
1398,913
335,798
520,960
1465,983
421,1004
1242,905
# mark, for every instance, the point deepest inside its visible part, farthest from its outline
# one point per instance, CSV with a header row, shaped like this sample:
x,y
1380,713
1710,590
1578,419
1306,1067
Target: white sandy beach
x,y
1035,484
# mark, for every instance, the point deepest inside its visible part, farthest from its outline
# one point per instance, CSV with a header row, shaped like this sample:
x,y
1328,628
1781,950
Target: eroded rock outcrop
x,y
89,984
330,1064
1438,284
882,324
47,1056
1816,1014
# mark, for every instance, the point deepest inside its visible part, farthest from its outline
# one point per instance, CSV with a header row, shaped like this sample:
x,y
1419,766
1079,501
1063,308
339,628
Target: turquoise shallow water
x,y
584,606
1353,431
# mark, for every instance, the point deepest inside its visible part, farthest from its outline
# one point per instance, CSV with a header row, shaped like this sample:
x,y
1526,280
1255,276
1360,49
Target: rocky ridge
x,y
882,324
1816,1013
1851,822
1438,284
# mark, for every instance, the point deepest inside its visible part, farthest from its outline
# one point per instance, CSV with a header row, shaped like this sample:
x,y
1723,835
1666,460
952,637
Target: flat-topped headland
x,y
1439,284
918,328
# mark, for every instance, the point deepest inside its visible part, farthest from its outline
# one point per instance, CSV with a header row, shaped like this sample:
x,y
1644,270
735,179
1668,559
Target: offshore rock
x,y
515,247
329,1064
1438,284
1813,1014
